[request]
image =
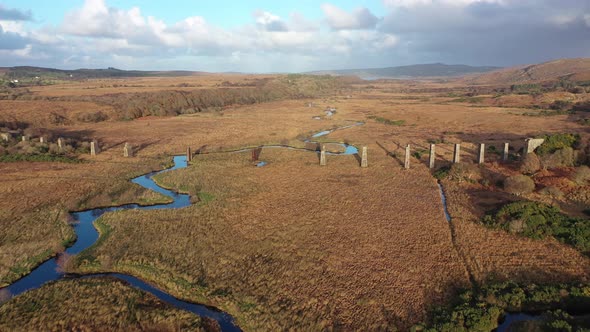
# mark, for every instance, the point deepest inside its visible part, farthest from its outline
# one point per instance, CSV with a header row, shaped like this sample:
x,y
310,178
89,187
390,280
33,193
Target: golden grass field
x,y
291,245
104,303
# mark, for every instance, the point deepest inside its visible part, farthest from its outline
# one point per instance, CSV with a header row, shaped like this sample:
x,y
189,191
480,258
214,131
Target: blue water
x,y
87,235
444,202
511,318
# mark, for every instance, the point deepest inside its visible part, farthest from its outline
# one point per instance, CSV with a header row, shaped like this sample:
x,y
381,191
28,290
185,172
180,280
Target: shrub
x,y
519,185
583,106
581,175
560,105
552,192
92,117
442,173
538,220
556,142
530,164
465,172
560,158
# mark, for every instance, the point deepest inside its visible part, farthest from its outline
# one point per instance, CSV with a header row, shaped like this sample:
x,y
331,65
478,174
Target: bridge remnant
x,y
457,154
323,156
432,157
364,161
127,150
532,143
407,159
482,151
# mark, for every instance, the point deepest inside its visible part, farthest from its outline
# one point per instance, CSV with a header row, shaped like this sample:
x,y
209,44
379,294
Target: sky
x,y
289,36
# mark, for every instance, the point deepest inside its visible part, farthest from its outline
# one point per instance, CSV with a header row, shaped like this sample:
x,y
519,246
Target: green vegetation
x,y
556,142
525,89
442,173
387,121
519,185
537,221
471,100
483,309
38,158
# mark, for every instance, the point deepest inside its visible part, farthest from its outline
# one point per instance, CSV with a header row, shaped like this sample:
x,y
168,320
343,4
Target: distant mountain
x,y
571,69
413,71
26,72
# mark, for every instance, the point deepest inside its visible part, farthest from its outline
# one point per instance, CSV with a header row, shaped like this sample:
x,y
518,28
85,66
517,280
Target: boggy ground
x,y
291,244
104,304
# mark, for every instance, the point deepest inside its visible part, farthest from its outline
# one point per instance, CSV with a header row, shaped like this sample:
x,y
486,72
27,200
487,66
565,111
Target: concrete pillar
x,y
505,153
531,144
94,148
25,138
364,161
457,154
42,140
432,157
127,150
60,143
482,152
189,154
323,156
407,160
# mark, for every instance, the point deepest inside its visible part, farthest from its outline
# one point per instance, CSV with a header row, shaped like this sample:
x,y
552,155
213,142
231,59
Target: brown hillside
x,y
575,69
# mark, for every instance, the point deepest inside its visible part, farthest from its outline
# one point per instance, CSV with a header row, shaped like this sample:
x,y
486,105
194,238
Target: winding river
x,y
87,235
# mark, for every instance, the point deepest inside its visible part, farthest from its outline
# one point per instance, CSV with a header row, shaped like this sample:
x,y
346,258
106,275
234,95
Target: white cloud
x,y
414,3
338,19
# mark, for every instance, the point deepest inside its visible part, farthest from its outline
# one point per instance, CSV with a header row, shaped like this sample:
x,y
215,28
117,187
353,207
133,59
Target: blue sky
x,y
289,36
226,13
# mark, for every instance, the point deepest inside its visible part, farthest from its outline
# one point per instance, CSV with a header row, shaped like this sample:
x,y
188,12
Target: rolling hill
x,y
412,71
26,72
571,69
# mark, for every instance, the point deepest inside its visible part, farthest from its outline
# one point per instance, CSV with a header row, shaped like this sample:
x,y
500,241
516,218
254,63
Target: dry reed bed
x,y
104,304
37,196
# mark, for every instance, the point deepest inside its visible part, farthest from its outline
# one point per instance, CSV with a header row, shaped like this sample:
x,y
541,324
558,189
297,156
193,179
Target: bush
x,y
583,106
531,164
560,158
519,185
581,175
560,105
553,192
556,142
92,117
537,220
465,172
483,308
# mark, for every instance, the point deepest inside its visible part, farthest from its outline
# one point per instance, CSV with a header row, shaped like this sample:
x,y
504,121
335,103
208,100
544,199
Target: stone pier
x,y
506,151
60,143
6,137
323,156
531,144
127,150
189,154
94,148
482,152
25,138
42,140
407,159
364,161
457,154
432,157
